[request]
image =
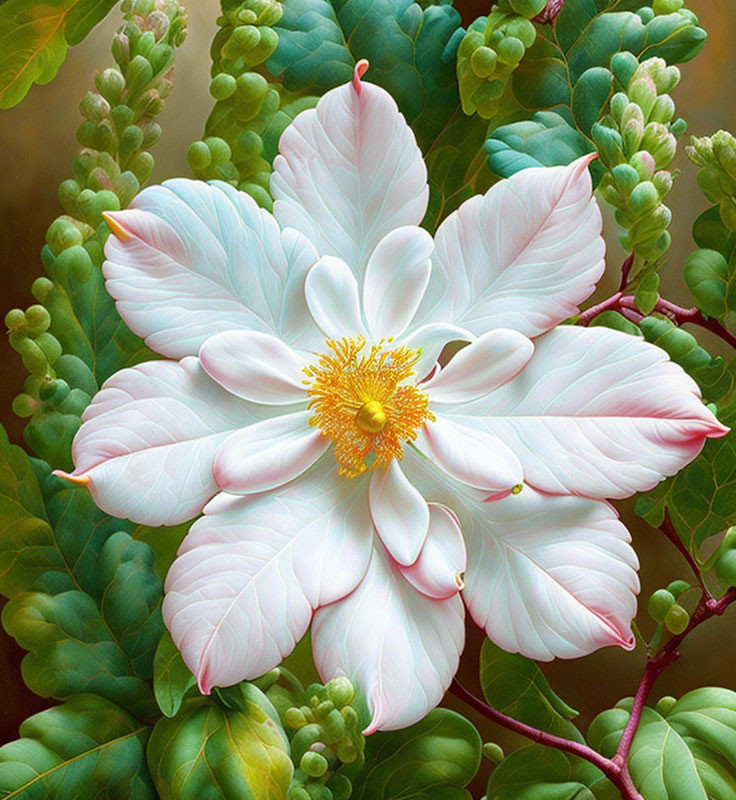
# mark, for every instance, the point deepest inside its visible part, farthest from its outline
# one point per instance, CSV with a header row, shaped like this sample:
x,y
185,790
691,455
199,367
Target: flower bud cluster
x,y
247,113
665,609
637,141
490,52
52,337
325,734
119,125
716,157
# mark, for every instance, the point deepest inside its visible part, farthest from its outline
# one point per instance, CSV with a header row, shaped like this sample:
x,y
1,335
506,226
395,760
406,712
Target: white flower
x,y
349,472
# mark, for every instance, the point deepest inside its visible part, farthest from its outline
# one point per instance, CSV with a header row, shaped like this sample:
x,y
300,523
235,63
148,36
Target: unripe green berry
x,y
317,791
665,705
667,6
40,288
63,233
294,718
510,50
199,156
677,587
340,786
493,752
676,619
314,764
528,8
141,165
340,691
619,102
131,139
252,88
643,163
223,86
483,62
523,30
15,319
38,319
626,177
297,793
660,603
644,197
663,109
250,145
726,568
24,406
138,74
110,84
663,182
219,149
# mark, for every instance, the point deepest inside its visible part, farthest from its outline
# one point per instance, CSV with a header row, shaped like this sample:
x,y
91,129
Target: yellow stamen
x,y
362,401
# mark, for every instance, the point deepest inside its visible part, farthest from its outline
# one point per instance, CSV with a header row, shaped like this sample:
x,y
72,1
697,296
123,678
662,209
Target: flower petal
x,y
251,570
349,171
438,572
485,364
598,413
522,256
201,258
472,457
268,454
399,513
255,366
431,339
332,296
395,280
149,437
401,647
550,576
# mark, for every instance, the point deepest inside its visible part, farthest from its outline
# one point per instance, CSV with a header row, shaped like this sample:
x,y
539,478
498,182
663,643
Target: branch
x,y
617,773
669,531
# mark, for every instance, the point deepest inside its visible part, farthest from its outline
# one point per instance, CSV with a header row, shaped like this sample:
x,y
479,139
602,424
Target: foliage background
x,y
37,144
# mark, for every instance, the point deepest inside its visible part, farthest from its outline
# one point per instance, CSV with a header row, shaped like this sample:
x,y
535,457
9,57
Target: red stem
x,y
668,529
617,773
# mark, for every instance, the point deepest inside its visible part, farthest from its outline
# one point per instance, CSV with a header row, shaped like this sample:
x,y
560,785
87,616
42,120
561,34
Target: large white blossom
x,y
340,470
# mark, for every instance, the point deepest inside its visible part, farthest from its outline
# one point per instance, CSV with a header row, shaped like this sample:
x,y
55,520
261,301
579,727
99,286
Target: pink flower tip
x,y
360,69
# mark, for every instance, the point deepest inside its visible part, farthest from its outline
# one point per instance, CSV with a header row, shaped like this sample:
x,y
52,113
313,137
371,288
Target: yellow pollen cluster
x,y
362,404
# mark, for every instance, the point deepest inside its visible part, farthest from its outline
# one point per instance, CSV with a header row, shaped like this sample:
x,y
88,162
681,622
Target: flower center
x,y
362,402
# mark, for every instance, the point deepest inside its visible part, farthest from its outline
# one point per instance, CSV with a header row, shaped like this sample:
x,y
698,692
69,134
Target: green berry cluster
x,y
250,113
662,7
664,608
490,52
325,735
716,157
637,141
55,338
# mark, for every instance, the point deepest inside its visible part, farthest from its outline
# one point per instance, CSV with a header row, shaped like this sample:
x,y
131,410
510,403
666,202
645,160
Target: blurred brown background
x,y
37,144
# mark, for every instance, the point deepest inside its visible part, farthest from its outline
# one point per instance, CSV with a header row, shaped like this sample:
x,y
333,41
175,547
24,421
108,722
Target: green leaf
x,y
209,750
171,676
541,773
431,760
565,76
706,275
687,754
91,618
164,542
85,748
545,140
701,498
412,55
710,233
517,686
27,547
34,39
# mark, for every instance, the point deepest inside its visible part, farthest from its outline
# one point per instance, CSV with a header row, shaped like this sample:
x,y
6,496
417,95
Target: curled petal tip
x,y
360,69
82,480
460,580
115,227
